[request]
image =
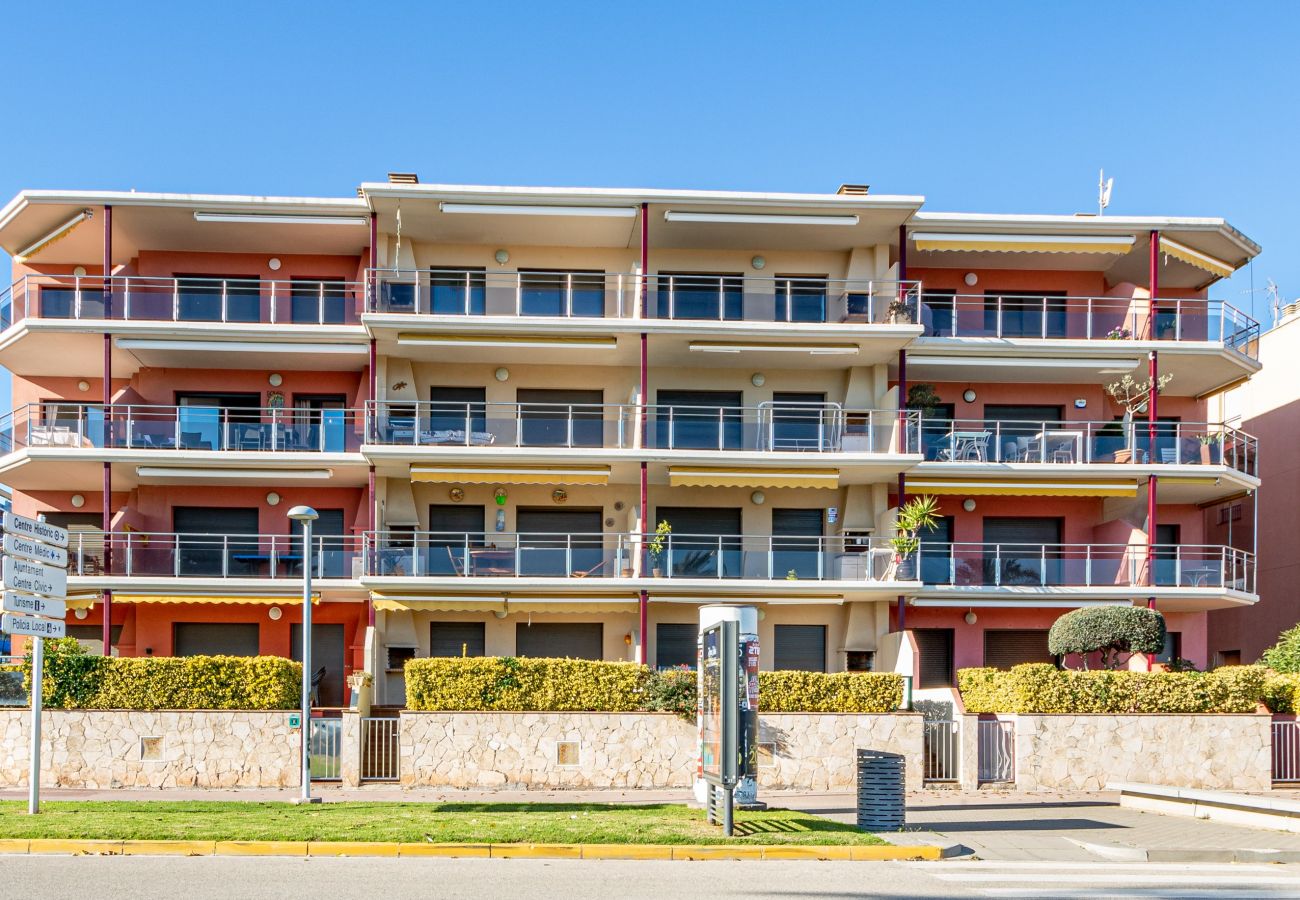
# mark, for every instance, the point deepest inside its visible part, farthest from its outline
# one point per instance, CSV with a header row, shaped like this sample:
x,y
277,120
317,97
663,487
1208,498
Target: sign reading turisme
x,y
39,531
31,605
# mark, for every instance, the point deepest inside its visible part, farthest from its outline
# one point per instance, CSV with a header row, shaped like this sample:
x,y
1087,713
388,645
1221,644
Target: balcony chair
x,y
193,440
578,573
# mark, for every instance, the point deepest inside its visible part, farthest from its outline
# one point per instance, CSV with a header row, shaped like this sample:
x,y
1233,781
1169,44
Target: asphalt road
x,y
224,878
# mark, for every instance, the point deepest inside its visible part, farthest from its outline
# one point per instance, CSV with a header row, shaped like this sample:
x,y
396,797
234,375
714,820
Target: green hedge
x,y
75,679
1042,688
575,685
1282,692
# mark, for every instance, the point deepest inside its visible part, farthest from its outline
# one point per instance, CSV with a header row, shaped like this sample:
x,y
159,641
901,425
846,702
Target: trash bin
x,y
881,789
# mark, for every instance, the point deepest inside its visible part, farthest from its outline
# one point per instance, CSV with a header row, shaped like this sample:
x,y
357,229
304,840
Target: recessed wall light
x,y
758,262
273,263
968,504
274,613
968,395
272,499
502,374
502,257
79,272
758,498
758,379
83,385
970,617
78,501
276,379
971,279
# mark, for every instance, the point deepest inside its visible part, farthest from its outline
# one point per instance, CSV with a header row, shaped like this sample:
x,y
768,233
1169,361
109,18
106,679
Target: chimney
x,y
854,190
403,178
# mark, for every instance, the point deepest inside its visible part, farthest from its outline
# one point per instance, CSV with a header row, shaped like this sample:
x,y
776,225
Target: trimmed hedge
x,y
510,684
1282,692
1042,688
1112,630
75,679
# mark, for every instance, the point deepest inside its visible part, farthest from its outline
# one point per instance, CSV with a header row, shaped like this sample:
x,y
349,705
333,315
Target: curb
x,y
42,846
1122,853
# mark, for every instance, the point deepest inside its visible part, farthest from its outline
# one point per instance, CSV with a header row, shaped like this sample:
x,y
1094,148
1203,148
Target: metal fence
x,y
379,738
326,737
1286,751
942,751
997,751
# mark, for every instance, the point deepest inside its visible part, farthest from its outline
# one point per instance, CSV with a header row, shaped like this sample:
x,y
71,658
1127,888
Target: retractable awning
x,y
176,599
1024,243
725,476
424,603
1021,488
1195,258
472,474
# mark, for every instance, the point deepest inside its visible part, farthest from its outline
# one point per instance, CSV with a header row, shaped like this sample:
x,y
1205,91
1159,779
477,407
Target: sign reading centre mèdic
x,y
16,545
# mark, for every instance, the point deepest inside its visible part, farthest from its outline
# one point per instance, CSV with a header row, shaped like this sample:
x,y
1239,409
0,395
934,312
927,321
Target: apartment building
x,y
554,421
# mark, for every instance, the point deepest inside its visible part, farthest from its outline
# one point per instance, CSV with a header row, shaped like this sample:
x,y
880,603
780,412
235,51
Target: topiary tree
x,y
1284,656
1108,630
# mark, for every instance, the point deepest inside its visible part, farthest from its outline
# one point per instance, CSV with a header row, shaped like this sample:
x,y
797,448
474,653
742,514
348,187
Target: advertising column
x,y
746,793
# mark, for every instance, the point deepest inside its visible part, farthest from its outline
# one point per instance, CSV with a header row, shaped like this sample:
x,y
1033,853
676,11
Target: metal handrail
x,y
1087,442
184,299
144,426
205,555
1016,314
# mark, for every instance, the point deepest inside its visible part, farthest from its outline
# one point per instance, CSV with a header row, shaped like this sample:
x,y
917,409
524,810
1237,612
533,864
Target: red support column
x,y
372,387
643,607
107,396
1152,401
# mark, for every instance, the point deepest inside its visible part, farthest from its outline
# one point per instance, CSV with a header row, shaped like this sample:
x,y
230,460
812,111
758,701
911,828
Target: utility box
x,y
881,791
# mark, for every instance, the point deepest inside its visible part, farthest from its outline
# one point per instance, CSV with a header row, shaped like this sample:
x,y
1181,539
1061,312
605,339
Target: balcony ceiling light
x,y
756,218
814,349
278,218
516,209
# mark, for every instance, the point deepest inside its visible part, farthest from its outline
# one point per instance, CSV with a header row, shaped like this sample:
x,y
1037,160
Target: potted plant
x,y
1119,333
900,312
658,544
917,514
1133,395
1210,453
792,575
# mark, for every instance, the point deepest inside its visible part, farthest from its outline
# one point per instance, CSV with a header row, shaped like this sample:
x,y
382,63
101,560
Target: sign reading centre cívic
x,y
31,605
34,578
17,545
36,530
33,627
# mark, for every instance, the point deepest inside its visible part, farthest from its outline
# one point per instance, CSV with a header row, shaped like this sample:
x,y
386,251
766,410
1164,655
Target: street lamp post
x,y
306,515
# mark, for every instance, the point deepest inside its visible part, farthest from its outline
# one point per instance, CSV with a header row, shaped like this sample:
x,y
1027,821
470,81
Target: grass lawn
x,y
496,823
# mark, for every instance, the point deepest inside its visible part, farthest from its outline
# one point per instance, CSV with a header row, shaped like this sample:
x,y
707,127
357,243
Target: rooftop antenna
x,y
1274,300
1104,187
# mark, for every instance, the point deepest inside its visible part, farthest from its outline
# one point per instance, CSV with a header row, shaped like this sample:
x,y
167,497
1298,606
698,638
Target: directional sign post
x,y
35,577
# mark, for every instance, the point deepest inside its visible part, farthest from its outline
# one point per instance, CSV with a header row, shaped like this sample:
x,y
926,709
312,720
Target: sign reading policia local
x,y
35,578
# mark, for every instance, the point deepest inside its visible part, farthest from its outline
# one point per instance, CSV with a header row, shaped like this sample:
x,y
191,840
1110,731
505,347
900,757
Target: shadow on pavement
x,y
1021,825
1046,804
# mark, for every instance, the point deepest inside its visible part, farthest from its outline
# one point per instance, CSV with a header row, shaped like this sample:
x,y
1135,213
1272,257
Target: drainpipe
x,y
372,512
107,395
1152,397
644,604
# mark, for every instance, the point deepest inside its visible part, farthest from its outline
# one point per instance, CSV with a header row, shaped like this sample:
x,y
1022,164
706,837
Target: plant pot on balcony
x,y
657,572
905,569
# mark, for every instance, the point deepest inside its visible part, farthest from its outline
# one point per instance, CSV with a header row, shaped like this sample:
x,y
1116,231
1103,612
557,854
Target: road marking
x,y
1046,880
1107,877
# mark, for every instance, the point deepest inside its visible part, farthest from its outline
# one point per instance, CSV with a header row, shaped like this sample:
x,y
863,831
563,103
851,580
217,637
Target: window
x,y
328,658
68,424
457,415
215,639
456,639
548,292
1022,551
938,312
694,295
217,541
800,648
219,298
323,301
91,637
675,645
561,542
698,420
936,553
217,421
935,648
802,421
1022,433
1024,314
578,640
320,422
801,298
329,551
1173,648
1004,648
560,418
702,539
455,533
796,543
458,292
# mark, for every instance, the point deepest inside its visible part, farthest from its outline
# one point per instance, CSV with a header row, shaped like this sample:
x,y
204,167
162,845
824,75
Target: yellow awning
x,y
262,600
1023,488
392,603
595,605
1024,243
1195,257
559,341
471,474
723,476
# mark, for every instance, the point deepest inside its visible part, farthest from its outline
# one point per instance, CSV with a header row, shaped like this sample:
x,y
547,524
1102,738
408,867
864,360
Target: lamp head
x,y
303,514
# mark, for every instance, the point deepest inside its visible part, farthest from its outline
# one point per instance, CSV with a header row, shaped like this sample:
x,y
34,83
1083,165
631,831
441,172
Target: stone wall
x,y
636,750
1084,752
129,749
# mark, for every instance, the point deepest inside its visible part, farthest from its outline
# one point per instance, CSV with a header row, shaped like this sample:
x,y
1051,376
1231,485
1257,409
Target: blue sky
x,y
1000,107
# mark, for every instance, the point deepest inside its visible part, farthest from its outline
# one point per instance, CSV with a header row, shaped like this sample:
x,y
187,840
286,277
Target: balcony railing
x,y
588,294
144,298
1070,442
150,427
773,426
173,555
1085,565
620,555
1058,317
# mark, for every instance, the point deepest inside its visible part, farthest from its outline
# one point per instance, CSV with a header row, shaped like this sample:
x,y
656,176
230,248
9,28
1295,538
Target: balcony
x,y
139,554
201,428
683,557
1102,570
1088,443
140,298
1087,318
791,427
677,297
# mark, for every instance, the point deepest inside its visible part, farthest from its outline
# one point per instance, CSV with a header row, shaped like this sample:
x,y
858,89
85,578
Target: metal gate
x,y
326,736
379,748
1286,751
997,750
942,751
